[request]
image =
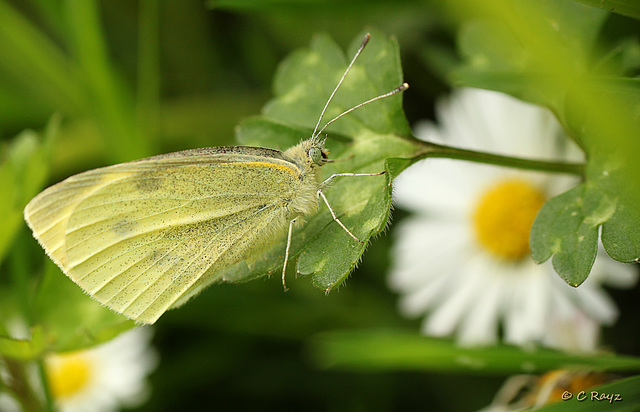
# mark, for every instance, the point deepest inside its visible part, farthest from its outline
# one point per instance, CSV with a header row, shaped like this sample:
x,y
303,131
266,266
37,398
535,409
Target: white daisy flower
x,y
463,257
103,378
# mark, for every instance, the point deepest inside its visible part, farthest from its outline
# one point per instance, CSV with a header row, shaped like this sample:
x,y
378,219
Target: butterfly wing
x,y
140,236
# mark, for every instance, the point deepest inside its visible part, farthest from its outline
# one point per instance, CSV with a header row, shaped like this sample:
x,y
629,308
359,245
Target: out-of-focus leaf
x,y
393,351
296,5
534,54
111,101
629,8
23,171
24,349
71,319
37,63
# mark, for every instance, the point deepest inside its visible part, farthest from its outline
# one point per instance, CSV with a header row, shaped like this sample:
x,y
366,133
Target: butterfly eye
x,y
316,156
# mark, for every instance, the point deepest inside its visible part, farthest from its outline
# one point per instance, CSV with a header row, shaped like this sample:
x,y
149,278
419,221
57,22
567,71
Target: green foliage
x,y
524,54
365,139
71,319
563,229
388,350
128,89
79,83
24,349
23,171
626,7
557,63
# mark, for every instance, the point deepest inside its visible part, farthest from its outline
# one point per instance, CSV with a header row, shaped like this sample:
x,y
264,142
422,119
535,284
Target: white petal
x,y
416,302
491,121
118,372
424,249
572,330
438,186
481,326
597,304
612,273
8,404
447,316
531,298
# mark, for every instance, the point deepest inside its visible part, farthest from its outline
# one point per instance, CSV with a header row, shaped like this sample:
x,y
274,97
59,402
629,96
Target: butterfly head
x,y
317,153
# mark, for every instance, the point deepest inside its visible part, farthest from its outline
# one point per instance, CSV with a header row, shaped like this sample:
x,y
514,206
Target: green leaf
x,y
532,52
567,226
71,319
110,99
610,133
629,8
361,141
620,236
396,165
489,45
545,54
610,179
23,171
295,5
628,399
24,349
305,80
37,62
565,230
393,351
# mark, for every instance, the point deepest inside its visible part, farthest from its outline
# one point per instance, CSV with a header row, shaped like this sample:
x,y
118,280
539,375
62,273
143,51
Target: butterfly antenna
x,y
399,89
364,43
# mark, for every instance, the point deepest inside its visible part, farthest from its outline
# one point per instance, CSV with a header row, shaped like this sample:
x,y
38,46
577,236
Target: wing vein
x,y
195,278
85,258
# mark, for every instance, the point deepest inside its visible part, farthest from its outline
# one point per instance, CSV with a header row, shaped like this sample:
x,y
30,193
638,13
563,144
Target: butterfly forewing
x,y
139,236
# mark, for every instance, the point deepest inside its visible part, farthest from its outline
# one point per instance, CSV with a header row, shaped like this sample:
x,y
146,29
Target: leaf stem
x,y
436,150
46,389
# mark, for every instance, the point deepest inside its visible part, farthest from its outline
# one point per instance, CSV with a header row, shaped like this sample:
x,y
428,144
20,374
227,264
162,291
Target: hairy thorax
x,y
305,201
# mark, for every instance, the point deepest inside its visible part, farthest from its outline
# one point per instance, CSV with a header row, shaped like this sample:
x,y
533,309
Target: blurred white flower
x,y
103,378
8,404
463,257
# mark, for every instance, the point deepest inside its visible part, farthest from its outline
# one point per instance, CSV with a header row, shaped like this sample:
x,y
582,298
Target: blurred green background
x,y
152,77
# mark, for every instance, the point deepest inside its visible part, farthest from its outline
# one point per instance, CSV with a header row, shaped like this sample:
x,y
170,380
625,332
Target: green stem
x,y
42,372
436,150
21,277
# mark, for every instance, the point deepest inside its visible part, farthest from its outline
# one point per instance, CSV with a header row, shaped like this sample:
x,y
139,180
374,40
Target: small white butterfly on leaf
x,y
145,236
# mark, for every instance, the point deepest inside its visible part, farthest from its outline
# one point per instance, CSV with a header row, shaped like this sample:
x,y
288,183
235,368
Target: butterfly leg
x,y
321,194
333,176
286,253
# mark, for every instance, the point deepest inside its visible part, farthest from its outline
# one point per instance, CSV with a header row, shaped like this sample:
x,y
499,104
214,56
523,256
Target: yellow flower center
x,y
68,375
503,217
